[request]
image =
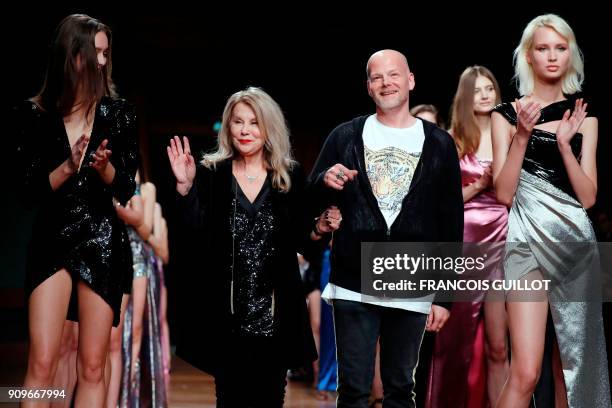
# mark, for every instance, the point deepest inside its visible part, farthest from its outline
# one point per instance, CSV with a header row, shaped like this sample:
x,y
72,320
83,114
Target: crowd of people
x,y
519,172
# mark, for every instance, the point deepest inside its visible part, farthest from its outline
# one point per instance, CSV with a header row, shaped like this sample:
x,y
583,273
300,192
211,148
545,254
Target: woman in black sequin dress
x,y
77,144
247,315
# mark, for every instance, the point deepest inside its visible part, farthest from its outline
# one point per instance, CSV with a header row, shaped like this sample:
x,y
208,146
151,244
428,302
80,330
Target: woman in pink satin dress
x,y
470,361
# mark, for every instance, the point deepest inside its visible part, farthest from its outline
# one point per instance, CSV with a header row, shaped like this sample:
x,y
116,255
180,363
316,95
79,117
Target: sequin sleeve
x,y
33,182
125,155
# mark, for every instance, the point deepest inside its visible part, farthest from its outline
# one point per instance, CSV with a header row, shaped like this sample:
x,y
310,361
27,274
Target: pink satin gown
x,y
457,376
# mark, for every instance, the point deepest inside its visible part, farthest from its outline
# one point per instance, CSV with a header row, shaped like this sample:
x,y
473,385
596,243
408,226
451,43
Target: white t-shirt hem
x,y
332,292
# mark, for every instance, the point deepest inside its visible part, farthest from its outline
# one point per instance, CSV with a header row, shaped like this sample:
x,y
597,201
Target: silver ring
x,y
340,175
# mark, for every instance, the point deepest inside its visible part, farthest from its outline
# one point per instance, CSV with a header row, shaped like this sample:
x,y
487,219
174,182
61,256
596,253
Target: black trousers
x,y
358,326
252,375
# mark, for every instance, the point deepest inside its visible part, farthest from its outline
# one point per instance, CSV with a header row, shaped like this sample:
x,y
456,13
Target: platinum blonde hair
x,y
523,72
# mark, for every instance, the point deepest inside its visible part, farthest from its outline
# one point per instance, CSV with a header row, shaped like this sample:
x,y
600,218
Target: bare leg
x,y
560,390
48,306
314,311
114,353
95,322
496,348
377,386
60,380
527,325
72,374
65,376
139,297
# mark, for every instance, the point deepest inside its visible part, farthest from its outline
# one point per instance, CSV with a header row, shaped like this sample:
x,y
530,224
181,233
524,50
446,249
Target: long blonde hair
x,y
277,147
464,126
523,72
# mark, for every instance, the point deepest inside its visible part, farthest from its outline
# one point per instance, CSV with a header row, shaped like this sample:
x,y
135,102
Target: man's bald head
x,y
392,56
389,80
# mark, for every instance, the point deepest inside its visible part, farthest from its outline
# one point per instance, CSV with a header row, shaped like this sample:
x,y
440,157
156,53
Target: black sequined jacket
x,y
205,315
76,226
432,210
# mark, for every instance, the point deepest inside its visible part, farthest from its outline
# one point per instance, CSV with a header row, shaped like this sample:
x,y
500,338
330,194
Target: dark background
x,y
180,68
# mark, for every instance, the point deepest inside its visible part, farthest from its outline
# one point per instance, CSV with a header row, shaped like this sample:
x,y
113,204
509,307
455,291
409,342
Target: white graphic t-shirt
x,y
391,157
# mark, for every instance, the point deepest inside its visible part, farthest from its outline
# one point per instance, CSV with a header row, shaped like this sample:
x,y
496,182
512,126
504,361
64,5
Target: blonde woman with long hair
x,y
544,168
246,204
